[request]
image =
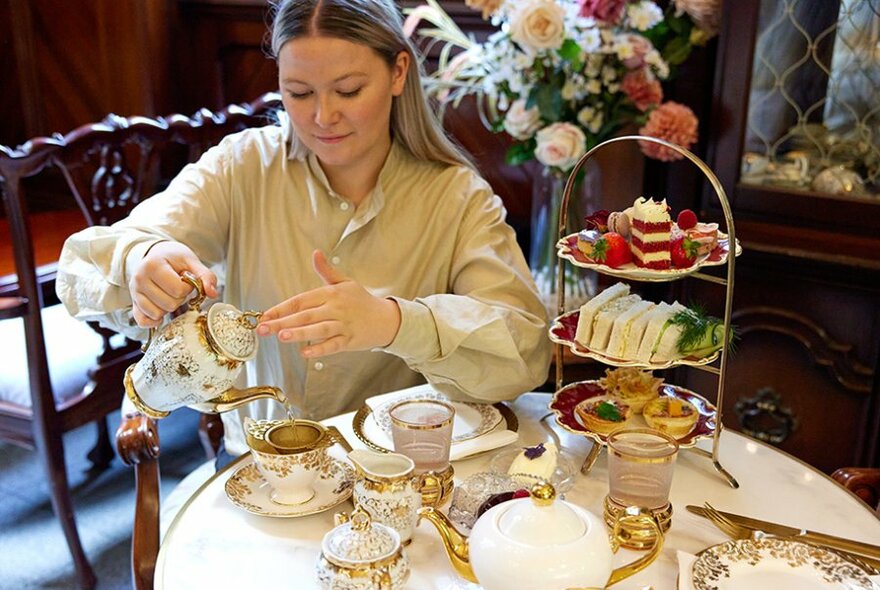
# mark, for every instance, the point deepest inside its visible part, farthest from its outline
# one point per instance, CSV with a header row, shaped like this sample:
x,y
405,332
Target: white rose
x,y
560,145
539,24
520,122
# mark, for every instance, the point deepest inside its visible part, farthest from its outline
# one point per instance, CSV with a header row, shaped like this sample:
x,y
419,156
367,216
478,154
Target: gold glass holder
x,y
634,535
727,282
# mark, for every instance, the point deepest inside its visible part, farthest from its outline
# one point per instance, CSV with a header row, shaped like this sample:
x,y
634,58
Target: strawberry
x,y
683,252
687,219
612,250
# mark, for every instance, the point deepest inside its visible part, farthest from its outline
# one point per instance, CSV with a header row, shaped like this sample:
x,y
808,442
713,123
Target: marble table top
x,y
213,543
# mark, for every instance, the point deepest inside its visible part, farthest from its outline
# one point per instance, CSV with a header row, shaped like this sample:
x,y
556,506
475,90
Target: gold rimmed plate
x,y
364,423
247,489
566,400
563,332
774,563
567,249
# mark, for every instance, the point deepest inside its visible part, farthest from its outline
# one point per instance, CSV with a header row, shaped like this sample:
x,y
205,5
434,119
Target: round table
x,y
212,543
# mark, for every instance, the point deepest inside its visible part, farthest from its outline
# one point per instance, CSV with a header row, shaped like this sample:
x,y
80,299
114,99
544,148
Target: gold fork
x,y
738,531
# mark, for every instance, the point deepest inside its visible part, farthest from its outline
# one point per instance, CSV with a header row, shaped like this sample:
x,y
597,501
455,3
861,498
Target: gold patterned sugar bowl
x,y
359,554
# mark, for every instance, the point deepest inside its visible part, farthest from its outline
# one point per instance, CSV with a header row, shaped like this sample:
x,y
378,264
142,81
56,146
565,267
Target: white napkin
x,y
686,563
499,437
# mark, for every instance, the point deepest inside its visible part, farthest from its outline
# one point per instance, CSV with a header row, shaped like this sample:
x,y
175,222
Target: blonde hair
x,y
375,24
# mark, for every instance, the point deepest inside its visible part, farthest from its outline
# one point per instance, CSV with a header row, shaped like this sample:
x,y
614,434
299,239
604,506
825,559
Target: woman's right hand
x,y
156,287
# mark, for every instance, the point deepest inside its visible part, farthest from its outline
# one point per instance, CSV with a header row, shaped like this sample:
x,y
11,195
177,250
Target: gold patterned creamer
x,y
387,489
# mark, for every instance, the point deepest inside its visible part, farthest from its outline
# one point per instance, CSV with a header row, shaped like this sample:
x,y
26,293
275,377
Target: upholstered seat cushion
x,y
71,346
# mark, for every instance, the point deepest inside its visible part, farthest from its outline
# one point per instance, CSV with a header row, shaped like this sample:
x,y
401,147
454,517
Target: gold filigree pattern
x,y
723,561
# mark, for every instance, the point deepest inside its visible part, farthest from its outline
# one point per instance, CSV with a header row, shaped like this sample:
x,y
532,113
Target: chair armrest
x,y
864,482
137,441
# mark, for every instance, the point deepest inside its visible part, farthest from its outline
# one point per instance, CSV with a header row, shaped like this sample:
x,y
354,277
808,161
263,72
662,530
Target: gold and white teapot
x,y
539,542
194,361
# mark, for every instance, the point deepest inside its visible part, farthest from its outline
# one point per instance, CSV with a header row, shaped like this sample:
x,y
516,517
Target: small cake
x,y
705,235
632,386
603,414
538,462
651,228
676,417
586,239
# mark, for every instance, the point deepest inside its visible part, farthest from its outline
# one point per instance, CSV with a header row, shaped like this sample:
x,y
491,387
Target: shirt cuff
x,y
135,255
416,340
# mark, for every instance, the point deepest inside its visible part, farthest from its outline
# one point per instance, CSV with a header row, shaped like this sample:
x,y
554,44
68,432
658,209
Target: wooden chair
x,y
108,168
864,482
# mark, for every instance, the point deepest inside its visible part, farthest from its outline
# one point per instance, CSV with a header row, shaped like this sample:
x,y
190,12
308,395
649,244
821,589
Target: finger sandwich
x,y
605,318
625,330
655,329
588,311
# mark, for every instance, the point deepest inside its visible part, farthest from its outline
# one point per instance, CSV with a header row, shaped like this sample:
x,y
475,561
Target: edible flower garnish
x,y
597,220
535,451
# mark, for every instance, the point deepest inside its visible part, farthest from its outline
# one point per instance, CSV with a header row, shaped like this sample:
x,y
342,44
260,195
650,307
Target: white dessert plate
x,y
471,419
562,477
567,248
773,563
247,489
564,329
565,400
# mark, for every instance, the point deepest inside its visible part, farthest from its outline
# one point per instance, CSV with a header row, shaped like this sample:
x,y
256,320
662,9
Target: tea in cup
x,y
290,455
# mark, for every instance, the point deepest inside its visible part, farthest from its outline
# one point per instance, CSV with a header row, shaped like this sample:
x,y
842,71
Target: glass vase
x,y
547,191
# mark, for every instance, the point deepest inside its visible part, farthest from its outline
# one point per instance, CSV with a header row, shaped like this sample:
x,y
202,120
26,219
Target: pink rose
x,y
520,122
672,122
560,145
640,47
642,90
608,11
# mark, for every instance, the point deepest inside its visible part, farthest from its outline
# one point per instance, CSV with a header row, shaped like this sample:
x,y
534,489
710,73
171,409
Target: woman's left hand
x,y
340,316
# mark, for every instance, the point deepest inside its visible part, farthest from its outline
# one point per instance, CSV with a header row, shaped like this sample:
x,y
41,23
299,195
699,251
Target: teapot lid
x,y
232,331
360,541
540,519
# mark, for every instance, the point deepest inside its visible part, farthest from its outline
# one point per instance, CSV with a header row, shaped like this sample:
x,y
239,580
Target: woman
x,y
379,254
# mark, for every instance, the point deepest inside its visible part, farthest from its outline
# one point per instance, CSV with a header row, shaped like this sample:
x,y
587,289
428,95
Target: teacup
x,y
290,455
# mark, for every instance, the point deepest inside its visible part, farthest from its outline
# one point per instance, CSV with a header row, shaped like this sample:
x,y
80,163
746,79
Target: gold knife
x,y
790,531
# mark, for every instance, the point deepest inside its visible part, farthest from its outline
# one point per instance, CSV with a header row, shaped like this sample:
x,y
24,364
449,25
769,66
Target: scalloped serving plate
x,y
565,400
564,329
567,248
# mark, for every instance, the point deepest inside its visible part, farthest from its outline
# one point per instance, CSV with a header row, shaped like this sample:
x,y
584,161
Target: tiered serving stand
x,y
640,275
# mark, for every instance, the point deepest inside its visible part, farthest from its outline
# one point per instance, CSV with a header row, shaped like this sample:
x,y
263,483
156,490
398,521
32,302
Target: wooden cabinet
x,y
807,292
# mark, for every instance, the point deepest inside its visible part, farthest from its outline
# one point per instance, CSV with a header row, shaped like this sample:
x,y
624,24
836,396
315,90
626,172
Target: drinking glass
x,y
422,430
641,462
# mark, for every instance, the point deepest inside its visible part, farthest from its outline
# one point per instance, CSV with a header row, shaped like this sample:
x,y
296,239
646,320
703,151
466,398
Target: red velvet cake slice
x,y
651,234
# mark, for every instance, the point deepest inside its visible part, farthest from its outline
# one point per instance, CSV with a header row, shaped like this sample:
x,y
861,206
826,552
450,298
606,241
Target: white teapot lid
x,y
232,331
359,541
540,519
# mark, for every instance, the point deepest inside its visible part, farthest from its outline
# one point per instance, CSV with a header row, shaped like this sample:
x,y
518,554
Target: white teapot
x,y
194,360
539,542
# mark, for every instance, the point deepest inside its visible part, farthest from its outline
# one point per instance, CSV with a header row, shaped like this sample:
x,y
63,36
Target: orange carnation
x,y
672,122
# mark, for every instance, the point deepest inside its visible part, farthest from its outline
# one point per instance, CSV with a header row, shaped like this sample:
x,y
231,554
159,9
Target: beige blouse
x,y
432,236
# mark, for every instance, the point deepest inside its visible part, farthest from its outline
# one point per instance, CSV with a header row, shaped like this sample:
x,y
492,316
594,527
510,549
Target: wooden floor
x,y
49,230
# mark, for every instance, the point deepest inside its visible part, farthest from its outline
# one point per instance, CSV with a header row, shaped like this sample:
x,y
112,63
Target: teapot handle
x,y
194,304
640,518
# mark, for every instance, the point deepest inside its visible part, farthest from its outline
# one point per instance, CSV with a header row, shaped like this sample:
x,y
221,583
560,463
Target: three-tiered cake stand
x,y
706,364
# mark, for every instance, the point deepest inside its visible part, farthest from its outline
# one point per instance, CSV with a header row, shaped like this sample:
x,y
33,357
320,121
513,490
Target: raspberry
x,y
687,219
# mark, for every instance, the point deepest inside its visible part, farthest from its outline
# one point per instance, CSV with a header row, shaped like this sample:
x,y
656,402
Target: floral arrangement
x,y
560,76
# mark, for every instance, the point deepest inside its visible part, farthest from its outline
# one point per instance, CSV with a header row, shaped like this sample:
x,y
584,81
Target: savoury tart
x,y
634,387
603,414
674,416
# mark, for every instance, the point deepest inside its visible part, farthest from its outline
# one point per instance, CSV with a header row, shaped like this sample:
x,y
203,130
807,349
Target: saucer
x,y
247,489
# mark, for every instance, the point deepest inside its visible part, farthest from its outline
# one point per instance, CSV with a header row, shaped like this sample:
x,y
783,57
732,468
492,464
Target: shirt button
x,y
344,206
319,365
335,260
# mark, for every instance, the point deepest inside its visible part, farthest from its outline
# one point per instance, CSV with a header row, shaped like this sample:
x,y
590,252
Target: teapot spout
x,y
233,398
455,543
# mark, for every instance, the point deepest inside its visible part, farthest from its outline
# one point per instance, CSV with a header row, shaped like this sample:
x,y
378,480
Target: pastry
x,y
651,234
538,462
586,240
634,387
603,414
671,415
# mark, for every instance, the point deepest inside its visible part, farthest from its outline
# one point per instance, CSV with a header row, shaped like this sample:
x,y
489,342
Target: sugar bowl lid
x,y
360,542
232,331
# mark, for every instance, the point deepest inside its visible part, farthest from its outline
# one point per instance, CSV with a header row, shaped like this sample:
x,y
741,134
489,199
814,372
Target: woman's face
x,y
338,97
